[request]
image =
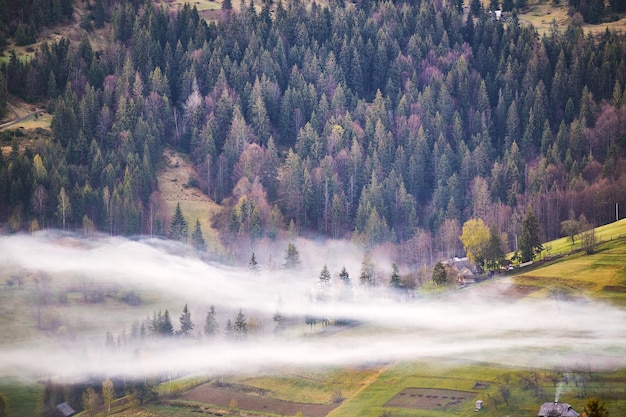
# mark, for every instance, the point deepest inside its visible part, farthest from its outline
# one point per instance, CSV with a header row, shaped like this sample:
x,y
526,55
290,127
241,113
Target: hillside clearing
x,y
175,188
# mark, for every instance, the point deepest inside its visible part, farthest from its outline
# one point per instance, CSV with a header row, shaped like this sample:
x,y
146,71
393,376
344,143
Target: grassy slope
x,y
194,204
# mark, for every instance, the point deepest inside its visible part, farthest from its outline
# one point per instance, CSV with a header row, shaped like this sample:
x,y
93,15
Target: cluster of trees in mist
x,y
381,121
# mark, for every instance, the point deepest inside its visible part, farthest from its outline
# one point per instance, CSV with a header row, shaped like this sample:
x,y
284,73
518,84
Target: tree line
x,y
381,122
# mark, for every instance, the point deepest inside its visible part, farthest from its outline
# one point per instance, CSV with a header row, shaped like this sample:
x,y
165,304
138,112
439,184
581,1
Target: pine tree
x,y
178,227
367,271
344,276
240,328
325,276
109,343
166,327
228,330
494,252
186,325
197,239
210,323
292,257
253,265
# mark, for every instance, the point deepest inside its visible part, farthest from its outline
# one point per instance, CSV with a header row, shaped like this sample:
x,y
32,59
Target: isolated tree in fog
x,y
240,327
280,324
197,238
395,277
325,276
178,227
292,257
186,325
368,271
210,323
253,265
344,276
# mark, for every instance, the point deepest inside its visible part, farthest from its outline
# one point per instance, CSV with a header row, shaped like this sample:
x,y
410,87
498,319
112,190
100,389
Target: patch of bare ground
x,y
174,180
429,398
21,115
229,396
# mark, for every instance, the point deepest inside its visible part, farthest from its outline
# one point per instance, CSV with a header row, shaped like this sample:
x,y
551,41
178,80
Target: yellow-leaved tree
x,y
475,239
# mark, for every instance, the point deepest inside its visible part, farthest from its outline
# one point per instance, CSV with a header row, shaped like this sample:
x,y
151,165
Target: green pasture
x,y
313,386
601,275
23,396
456,376
563,246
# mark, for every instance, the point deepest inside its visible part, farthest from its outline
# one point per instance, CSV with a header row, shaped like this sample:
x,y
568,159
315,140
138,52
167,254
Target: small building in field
x,y
65,410
557,409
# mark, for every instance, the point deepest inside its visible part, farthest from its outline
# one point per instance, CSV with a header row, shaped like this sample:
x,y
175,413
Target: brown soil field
x,y
429,398
224,397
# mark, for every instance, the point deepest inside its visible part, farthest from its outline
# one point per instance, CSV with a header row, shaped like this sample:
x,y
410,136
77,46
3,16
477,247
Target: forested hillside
x,y
380,121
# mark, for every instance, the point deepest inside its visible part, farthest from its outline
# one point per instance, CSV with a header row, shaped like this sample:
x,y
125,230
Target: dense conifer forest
x,y
377,121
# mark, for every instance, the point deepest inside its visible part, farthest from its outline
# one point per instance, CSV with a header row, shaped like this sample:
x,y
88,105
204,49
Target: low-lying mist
x,y
381,326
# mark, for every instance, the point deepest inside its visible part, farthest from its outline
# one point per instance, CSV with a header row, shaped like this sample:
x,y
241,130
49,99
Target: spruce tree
x,y
253,265
240,328
228,330
292,257
395,277
344,276
367,271
210,323
197,239
178,227
167,329
186,325
530,243
325,276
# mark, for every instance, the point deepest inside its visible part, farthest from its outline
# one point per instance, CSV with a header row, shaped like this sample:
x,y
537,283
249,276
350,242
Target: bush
x,y
132,298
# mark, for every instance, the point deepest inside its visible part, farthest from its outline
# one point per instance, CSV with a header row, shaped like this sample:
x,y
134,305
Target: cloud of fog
x,y
531,333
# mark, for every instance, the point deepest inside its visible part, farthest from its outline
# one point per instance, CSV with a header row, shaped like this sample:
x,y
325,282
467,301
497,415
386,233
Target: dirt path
x,y
18,117
366,383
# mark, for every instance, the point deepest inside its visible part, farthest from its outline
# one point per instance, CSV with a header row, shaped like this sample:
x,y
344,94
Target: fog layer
x,y
472,325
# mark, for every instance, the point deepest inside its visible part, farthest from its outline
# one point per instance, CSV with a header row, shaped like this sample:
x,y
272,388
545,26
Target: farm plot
x,y
429,399
229,397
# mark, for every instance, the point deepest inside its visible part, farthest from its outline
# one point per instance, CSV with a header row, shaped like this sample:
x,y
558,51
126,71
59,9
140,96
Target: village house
x,y
556,409
461,270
